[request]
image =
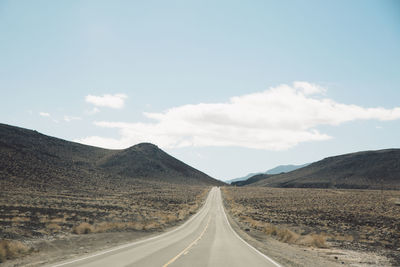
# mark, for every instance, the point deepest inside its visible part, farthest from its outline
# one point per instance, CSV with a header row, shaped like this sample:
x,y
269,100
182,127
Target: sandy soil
x,y
294,255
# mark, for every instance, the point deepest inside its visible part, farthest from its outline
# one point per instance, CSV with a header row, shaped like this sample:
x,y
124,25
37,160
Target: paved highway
x,y
206,239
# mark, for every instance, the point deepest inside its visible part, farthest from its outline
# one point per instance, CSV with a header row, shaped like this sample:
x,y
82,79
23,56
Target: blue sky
x,y
230,87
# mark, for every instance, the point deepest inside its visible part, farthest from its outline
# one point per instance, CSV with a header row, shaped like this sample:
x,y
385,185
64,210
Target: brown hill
x,y
29,158
148,161
366,170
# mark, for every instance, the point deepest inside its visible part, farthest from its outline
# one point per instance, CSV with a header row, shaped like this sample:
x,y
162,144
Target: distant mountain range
x,y
285,168
32,159
276,170
253,179
244,178
363,170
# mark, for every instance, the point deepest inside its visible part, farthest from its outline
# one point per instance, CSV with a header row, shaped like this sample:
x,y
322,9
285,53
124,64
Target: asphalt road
x,y
206,239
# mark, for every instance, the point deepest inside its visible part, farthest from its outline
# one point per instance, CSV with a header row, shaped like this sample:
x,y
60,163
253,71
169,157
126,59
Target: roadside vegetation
x,y
12,249
362,220
30,215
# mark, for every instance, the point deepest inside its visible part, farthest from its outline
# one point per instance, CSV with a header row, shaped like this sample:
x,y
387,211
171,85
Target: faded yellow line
x,y
188,247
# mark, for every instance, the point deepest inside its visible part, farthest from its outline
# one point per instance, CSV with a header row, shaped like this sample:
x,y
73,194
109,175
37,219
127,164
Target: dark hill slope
x,y
147,160
253,179
285,168
277,170
370,169
28,158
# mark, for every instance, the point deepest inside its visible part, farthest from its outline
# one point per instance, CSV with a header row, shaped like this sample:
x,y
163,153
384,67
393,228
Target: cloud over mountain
x,y
276,119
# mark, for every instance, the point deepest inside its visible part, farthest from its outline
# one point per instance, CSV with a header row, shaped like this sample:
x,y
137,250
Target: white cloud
x,y
47,115
116,101
92,111
44,114
308,88
71,118
276,119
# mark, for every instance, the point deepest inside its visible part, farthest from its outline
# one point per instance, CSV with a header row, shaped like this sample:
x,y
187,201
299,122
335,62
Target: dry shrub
x,y
58,220
270,229
348,238
83,228
282,234
53,227
136,226
119,226
313,240
236,211
44,219
170,218
193,209
104,227
319,240
151,225
20,219
254,223
287,236
182,215
12,249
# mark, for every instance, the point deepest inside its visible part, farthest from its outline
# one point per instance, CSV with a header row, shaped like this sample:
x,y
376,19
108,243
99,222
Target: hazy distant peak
x,y
277,170
285,168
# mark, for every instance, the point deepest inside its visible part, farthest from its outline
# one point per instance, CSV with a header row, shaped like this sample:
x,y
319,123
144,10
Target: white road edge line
x,y
256,250
141,241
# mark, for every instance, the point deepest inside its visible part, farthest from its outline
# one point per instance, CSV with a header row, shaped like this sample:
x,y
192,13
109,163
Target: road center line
x,y
186,250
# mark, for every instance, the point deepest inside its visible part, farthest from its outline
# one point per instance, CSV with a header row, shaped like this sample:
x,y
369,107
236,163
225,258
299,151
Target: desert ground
x,y
313,226
38,226
353,227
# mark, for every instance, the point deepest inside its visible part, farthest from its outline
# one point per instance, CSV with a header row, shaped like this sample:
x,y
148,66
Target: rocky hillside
x,y
29,158
366,170
253,179
277,170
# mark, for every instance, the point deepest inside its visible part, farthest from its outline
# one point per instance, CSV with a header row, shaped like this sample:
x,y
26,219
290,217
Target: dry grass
x,y
358,219
313,240
12,249
83,228
20,219
30,214
53,227
284,234
118,226
26,214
